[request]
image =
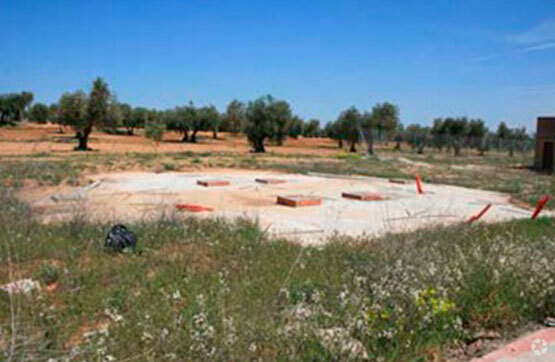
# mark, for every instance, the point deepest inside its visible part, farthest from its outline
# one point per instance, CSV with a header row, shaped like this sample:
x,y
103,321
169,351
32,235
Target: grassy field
x,y
218,290
211,289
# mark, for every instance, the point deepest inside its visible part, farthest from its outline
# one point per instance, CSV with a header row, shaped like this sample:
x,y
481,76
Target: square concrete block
x,y
270,181
211,183
299,200
362,196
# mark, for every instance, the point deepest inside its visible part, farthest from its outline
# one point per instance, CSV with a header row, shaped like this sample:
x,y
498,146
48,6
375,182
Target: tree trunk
x,y
352,148
397,146
130,131
370,142
215,134
185,136
258,145
194,136
83,137
340,143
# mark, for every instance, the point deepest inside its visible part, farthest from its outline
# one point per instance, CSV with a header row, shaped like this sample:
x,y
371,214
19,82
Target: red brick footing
x,y
299,200
193,208
397,181
362,196
270,181
210,183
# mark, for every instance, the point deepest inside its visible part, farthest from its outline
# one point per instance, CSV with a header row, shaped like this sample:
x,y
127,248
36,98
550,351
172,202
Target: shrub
x,y
154,129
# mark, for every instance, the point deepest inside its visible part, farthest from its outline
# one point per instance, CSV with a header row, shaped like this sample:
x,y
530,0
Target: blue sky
x,y
488,59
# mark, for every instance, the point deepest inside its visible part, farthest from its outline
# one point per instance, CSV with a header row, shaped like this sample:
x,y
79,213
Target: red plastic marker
x,y
479,215
540,206
419,184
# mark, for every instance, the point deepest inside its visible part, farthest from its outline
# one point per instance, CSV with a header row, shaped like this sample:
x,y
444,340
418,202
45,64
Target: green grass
x,y
209,289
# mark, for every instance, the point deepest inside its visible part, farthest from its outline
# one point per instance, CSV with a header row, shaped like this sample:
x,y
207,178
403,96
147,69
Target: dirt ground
x,y
29,139
125,196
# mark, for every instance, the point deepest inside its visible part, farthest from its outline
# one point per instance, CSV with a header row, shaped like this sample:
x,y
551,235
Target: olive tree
x,y
210,118
280,112
154,125
97,108
127,120
333,131
312,128
457,129
266,118
72,110
196,121
296,127
39,113
235,117
349,127
386,119
178,120
13,106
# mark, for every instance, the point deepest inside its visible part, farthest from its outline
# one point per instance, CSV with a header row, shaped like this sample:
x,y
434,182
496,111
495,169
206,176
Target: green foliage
x,y
235,117
296,127
85,112
210,118
138,118
210,289
48,274
267,118
154,127
416,136
13,106
349,127
72,110
333,131
114,116
385,118
127,119
39,113
97,106
312,128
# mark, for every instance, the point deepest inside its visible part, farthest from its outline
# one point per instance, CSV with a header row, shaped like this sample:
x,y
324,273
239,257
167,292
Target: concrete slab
x,y
538,346
144,195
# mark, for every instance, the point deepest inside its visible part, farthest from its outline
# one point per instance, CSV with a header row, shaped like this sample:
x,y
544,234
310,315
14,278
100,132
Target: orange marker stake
x,y
540,206
52,287
479,215
419,184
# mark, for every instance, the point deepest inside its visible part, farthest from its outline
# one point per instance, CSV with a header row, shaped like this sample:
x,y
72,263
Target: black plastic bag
x,y
120,238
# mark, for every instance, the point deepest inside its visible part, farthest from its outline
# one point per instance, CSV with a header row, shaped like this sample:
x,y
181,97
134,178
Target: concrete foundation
x,y
128,196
